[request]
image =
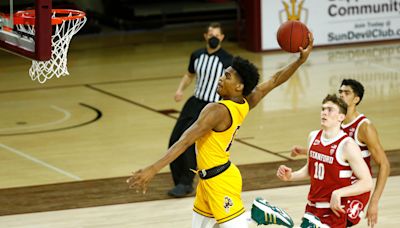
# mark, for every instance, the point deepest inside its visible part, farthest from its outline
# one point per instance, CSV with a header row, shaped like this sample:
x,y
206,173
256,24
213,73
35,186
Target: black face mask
x,y
213,42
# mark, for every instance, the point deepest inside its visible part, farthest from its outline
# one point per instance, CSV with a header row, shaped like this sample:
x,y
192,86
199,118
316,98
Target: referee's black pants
x,y
180,168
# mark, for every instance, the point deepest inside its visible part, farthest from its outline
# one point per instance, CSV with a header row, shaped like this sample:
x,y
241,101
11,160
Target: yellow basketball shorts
x,y
220,197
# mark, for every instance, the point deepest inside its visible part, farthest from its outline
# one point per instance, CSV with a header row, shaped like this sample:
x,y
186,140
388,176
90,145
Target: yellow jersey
x,y
212,149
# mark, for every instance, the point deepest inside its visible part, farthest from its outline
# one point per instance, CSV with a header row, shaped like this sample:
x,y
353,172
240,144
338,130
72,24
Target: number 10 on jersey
x,y
319,170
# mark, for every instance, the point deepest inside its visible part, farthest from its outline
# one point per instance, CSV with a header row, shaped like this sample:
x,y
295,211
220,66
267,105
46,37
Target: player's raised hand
x,y
141,178
298,150
304,53
284,173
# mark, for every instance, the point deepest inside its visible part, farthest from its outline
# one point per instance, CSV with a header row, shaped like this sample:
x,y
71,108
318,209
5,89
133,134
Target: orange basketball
x,y
291,35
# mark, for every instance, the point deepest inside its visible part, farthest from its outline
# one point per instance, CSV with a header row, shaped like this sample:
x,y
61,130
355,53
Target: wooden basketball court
x,y
84,133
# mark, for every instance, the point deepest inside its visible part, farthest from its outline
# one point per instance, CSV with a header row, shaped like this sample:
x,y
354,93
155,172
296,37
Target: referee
x,y
208,64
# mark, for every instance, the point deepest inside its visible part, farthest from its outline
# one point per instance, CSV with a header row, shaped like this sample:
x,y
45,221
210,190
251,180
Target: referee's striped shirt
x,y
208,68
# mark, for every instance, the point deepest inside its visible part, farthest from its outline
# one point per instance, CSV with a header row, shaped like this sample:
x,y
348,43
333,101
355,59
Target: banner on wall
x,y
373,66
333,21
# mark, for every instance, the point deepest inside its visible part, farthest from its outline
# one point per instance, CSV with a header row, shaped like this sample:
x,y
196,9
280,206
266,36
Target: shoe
x,y
180,190
264,213
311,221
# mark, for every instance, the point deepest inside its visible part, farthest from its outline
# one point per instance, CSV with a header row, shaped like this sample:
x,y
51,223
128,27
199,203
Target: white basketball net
x,y
57,65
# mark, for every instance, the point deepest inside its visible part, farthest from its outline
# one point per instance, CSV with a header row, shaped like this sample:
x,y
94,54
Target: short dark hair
x,y
247,72
356,86
215,25
338,101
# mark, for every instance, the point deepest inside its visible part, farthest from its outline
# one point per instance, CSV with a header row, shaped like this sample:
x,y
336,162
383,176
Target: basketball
x,y
291,35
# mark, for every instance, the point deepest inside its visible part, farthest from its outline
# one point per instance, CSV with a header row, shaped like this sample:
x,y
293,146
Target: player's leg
x,y
224,195
200,221
238,222
202,215
223,199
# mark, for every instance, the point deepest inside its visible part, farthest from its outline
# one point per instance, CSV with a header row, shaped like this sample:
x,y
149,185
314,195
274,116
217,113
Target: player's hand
x,y
284,173
141,178
304,53
372,214
298,150
178,96
335,205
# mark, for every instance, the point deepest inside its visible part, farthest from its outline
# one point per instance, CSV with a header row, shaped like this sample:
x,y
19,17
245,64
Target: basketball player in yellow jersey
x,y
218,192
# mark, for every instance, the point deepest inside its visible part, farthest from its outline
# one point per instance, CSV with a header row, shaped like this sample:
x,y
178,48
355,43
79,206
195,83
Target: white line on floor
x,y
31,158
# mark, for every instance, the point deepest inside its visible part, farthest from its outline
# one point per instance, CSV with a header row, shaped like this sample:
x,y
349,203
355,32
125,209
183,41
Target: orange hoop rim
x,y
28,16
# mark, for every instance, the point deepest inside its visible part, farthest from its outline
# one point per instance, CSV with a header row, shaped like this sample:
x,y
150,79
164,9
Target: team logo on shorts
x,y
355,208
228,203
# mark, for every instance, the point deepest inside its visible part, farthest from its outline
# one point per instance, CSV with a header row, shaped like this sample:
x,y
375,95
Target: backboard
x,y
35,46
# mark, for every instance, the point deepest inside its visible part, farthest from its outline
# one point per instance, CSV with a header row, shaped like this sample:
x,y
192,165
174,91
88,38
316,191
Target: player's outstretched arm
x,y
210,117
280,77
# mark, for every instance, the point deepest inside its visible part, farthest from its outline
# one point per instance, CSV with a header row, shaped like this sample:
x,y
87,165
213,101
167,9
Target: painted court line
x,y
67,115
37,161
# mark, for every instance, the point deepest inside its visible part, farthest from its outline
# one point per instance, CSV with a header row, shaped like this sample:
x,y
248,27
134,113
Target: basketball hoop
x,y
66,23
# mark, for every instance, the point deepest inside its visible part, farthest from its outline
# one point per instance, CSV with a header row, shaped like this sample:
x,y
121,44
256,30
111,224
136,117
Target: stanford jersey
x,y
328,171
351,129
357,203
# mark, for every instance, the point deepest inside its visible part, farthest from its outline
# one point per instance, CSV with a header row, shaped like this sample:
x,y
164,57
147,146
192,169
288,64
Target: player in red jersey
x,y
332,159
358,127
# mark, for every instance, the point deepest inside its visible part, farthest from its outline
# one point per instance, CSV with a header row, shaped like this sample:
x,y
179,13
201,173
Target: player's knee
x,y
239,222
